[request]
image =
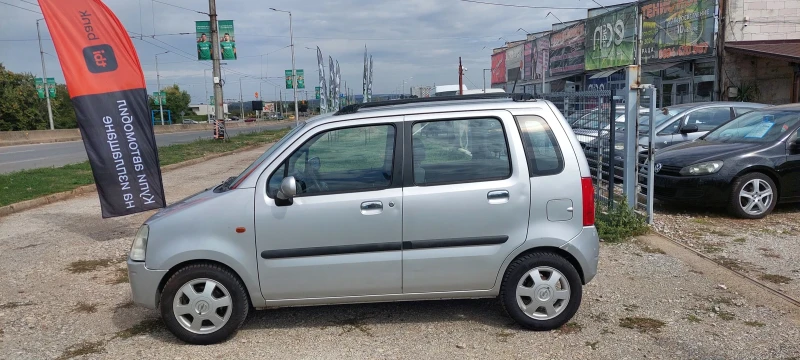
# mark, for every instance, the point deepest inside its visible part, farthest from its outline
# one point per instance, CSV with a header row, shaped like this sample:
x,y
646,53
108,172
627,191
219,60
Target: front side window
x,y
342,160
456,151
541,147
708,119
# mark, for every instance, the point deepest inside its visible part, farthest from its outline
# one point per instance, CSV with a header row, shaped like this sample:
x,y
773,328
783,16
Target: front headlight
x,y
705,168
619,145
139,246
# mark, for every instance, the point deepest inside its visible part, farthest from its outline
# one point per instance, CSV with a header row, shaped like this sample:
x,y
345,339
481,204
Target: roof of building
x,y
788,50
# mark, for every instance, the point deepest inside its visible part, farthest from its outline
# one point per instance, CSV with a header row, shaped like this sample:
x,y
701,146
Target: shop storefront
x,y
678,57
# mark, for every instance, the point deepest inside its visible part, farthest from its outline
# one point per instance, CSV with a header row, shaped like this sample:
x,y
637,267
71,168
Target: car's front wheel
x,y
204,304
753,196
541,291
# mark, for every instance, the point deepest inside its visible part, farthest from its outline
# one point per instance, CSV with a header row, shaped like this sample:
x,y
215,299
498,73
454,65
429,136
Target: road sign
x,y
211,100
159,98
256,94
317,91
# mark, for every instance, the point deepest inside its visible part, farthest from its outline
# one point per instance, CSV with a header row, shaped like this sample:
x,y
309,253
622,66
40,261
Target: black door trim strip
x,y
330,250
442,243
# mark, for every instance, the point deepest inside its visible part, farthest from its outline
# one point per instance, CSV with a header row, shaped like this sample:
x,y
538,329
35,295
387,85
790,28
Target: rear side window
x,y
709,119
541,148
458,151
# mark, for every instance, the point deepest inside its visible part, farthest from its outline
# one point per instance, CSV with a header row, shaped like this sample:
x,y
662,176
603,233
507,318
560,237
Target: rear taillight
x,y
588,201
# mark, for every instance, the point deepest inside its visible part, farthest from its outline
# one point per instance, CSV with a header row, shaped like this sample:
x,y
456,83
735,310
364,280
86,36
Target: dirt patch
x,y
570,328
15,304
84,266
643,325
775,279
84,348
84,307
145,327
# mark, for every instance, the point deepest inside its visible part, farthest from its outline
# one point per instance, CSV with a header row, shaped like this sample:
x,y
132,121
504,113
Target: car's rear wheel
x,y
204,304
541,291
753,196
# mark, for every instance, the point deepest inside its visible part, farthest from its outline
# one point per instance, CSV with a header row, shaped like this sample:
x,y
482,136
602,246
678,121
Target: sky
x,y
412,42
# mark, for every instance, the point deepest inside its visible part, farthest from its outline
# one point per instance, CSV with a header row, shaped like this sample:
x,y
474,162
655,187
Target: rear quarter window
x,y
541,148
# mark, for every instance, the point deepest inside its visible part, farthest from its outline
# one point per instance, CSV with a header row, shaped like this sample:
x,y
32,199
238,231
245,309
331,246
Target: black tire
x,y
240,302
520,268
734,206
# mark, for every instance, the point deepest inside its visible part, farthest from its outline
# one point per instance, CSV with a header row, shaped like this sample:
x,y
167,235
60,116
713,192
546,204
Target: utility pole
x,y
44,79
241,100
280,99
460,77
205,86
294,71
219,111
158,82
484,80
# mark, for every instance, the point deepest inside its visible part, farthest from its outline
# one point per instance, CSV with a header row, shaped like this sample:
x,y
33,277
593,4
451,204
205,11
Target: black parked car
x,y
747,164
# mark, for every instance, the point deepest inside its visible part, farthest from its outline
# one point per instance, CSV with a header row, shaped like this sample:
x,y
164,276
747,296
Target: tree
x,y
21,108
177,101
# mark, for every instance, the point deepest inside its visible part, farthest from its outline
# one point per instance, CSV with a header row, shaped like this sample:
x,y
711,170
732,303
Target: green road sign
x,y
301,79
40,87
211,100
317,91
160,100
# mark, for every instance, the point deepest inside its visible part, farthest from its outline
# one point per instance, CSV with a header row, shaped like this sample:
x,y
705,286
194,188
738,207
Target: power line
x,y
20,7
525,6
181,7
34,4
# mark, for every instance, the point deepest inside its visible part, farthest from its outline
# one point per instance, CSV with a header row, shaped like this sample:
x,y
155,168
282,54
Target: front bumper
x,y
144,283
586,249
712,190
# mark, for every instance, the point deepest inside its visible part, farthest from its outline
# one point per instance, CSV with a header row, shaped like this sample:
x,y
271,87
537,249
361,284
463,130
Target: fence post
x,y
599,145
630,178
651,155
612,141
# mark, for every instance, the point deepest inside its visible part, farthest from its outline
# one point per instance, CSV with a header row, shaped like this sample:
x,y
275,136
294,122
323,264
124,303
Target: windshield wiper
x,y
226,185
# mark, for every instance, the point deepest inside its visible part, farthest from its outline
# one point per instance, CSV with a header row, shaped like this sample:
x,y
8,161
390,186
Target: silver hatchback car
x,y
420,199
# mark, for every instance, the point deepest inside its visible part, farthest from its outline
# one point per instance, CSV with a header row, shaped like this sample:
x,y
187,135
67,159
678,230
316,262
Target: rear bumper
x,y
144,284
585,248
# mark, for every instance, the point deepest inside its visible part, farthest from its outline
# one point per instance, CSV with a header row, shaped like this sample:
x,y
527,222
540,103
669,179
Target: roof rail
x,y
353,108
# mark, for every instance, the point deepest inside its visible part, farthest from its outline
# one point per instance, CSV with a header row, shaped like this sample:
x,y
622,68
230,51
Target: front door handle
x,y
371,207
497,197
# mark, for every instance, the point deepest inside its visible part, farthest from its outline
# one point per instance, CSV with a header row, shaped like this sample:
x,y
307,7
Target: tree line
x,y
21,109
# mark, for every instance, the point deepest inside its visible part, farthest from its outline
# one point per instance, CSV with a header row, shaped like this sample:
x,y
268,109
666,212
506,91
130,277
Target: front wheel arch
x,y
763,170
184,264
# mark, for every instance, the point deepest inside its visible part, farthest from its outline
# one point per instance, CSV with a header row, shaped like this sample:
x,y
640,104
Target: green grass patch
x,y
30,184
618,224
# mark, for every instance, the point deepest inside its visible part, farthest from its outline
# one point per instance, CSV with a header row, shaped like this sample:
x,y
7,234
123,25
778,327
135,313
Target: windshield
x,y
756,126
592,119
267,154
661,117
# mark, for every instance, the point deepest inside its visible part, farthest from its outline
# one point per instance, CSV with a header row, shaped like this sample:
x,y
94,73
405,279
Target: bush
x,y
618,224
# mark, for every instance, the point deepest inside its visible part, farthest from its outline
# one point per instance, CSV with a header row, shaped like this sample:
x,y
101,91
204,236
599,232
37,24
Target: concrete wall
x,y
8,138
774,77
767,20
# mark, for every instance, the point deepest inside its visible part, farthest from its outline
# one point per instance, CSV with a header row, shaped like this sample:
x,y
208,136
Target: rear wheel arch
x,y
551,249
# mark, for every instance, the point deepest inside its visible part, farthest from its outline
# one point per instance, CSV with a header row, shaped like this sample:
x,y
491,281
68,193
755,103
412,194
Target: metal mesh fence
x,y
597,119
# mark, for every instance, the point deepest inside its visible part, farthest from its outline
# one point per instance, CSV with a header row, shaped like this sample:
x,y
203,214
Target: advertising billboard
x,y
514,63
610,40
567,47
677,29
227,41
527,60
499,68
202,31
541,57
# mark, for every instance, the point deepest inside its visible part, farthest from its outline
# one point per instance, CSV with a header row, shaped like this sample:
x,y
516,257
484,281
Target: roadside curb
x,y
85,189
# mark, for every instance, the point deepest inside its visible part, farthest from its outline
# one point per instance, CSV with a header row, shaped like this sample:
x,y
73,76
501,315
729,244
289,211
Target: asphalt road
x,y
15,158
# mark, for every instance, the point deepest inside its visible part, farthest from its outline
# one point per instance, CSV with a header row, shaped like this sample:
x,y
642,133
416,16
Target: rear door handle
x,y
371,207
497,197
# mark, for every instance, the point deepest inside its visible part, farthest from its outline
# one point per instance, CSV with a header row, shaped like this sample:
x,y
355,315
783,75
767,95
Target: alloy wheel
x,y
756,197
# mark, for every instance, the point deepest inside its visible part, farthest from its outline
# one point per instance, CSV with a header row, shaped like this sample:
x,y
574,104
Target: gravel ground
x,y
55,303
766,249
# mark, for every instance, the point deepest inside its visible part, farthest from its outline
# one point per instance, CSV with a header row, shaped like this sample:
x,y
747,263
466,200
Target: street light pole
x,y
205,86
294,71
44,79
484,79
158,82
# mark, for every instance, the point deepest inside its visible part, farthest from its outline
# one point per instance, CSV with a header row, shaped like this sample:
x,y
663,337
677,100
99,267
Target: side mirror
x,y
689,128
288,188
